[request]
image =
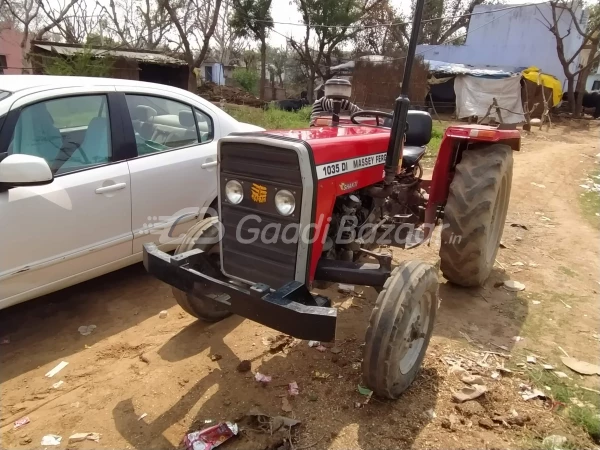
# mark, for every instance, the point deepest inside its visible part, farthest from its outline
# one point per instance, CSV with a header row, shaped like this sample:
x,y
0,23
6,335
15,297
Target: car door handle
x,y
208,165
111,188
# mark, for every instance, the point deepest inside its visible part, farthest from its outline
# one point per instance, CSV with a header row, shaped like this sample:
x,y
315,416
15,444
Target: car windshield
x,y
4,94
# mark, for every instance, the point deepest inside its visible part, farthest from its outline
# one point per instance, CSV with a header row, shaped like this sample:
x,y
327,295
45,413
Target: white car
x,y
88,166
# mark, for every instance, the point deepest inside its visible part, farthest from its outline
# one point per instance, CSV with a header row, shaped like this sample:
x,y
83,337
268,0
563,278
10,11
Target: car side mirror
x,y
24,170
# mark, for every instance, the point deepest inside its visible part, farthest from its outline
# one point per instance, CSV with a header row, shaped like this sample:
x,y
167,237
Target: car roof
x,y
15,83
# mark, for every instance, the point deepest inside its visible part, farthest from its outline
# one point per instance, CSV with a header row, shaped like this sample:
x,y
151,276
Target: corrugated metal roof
x,y
464,69
149,57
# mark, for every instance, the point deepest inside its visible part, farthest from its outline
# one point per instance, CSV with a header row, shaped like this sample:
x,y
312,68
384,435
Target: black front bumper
x,y
292,309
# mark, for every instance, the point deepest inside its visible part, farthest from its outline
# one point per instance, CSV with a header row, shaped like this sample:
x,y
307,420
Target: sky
x,y
287,11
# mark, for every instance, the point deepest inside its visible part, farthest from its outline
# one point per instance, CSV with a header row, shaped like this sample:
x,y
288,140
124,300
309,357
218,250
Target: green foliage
x,y
252,18
247,78
437,134
82,64
99,40
566,392
336,14
271,119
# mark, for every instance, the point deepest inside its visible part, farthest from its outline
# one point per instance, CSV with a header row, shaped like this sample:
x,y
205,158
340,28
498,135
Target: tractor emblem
x,y
258,193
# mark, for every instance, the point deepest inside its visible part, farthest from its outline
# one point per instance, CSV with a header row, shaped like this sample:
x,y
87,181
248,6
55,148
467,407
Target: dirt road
x,y
135,362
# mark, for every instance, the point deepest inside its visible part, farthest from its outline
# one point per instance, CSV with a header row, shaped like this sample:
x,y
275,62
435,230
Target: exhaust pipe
x,y
396,144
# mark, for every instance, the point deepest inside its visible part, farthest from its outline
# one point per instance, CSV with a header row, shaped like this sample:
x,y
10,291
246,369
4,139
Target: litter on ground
x,y
469,393
581,367
60,366
513,286
21,423
293,388
210,437
262,378
86,330
51,439
79,437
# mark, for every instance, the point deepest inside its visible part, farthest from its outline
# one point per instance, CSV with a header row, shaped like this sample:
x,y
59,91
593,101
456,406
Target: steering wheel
x,y
369,113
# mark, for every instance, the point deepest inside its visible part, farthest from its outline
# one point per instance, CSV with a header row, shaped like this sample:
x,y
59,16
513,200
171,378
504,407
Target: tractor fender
x,y
456,139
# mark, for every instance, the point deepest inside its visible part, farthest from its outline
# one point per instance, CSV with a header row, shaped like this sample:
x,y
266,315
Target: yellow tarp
x,y
534,74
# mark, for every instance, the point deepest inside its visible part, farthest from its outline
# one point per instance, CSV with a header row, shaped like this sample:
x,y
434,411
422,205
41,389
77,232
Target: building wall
x,y
218,76
516,37
10,47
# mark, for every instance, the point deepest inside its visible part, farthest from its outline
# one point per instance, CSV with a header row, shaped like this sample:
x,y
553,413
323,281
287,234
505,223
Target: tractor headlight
x,y
234,191
285,202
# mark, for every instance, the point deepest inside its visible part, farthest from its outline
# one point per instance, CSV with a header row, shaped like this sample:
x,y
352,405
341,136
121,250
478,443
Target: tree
x,y
385,31
442,19
137,23
194,20
98,40
589,35
333,23
278,58
54,15
252,18
228,42
26,13
249,57
76,26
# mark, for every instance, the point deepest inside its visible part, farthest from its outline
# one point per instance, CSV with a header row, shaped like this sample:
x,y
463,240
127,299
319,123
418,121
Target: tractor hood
x,y
346,142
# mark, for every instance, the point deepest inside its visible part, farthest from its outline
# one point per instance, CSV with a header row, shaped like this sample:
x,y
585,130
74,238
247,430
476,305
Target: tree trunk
x,y
24,61
581,78
192,83
571,94
263,67
311,86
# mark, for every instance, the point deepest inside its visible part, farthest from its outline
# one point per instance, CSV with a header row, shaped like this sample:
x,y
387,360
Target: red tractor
x,y
297,207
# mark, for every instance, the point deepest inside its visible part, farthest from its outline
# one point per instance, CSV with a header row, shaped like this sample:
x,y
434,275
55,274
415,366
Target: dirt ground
x,y
134,362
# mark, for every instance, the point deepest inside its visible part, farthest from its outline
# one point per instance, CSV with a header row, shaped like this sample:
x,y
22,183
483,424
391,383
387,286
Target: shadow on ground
x,y
113,302
487,315
325,407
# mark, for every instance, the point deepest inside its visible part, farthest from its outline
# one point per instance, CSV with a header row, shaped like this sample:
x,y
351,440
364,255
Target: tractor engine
x,y
358,219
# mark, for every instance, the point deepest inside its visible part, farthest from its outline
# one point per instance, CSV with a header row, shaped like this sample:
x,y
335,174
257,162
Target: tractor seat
x,y
411,155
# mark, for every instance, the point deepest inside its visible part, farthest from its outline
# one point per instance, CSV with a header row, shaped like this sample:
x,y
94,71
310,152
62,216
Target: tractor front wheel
x,y
475,213
202,236
400,329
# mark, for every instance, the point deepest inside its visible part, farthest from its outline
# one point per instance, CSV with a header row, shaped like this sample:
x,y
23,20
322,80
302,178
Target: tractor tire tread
x,y
379,366
197,307
469,211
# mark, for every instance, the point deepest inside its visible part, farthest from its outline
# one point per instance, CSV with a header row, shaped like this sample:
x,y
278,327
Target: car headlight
x,y
285,202
234,191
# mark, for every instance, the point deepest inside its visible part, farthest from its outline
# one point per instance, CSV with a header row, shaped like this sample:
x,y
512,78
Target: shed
x,y
473,89
130,64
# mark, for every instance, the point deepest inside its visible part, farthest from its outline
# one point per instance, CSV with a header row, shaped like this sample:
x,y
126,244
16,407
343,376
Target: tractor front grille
x,y
262,170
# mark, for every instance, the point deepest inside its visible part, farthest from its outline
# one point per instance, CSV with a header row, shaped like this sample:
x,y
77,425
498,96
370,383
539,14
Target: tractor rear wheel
x,y
400,329
202,236
475,213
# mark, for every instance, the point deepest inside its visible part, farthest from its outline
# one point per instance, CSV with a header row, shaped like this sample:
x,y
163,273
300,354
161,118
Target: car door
x,y
174,175
57,234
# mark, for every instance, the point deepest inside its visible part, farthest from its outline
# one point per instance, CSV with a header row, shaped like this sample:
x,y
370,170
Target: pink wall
x,y
10,41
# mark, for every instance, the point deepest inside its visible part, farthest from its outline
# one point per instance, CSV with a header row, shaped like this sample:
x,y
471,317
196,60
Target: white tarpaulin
x,y
474,95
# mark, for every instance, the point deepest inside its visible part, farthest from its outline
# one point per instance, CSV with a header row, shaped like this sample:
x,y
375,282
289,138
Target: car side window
x,y
205,126
70,133
161,124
